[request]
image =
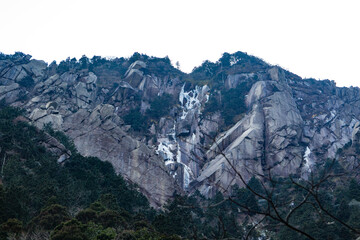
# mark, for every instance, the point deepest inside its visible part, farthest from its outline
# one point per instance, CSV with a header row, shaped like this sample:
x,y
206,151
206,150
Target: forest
x,y
83,198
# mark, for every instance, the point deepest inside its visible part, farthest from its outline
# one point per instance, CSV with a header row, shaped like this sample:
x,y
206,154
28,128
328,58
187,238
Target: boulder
x,y
36,67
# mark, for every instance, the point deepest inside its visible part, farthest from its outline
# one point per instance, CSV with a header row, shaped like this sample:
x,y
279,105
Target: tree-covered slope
x,y
32,179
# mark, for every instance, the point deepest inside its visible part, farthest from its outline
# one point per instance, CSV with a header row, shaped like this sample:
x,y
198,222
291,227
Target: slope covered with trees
x,y
83,198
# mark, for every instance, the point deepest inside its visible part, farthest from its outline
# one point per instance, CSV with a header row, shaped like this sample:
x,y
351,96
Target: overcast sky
x,y
318,39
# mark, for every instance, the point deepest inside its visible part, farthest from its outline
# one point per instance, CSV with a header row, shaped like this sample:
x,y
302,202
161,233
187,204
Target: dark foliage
x,y
137,121
70,230
50,217
230,103
32,177
160,106
27,82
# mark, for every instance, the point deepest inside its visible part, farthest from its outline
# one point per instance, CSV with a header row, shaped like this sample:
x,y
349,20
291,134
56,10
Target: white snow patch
x,y
186,176
169,162
308,162
173,133
192,100
193,139
207,98
234,60
178,155
164,149
167,146
189,100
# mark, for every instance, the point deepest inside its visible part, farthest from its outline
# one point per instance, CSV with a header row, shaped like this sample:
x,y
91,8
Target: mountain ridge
x,y
263,116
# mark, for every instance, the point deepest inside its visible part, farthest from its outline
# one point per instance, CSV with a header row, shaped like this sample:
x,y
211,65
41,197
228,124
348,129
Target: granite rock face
x,y
99,133
289,126
73,103
267,138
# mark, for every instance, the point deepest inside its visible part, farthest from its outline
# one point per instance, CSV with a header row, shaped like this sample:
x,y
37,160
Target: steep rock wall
x,y
290,125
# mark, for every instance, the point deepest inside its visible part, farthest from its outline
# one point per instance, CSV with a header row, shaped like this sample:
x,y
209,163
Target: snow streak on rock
x,y
170,148
192,100
167,147
308,162
165,151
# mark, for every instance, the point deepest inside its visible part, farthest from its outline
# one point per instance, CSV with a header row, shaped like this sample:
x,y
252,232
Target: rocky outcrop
x,y
239,149
266,139
99,133
290,125
56,148
72,102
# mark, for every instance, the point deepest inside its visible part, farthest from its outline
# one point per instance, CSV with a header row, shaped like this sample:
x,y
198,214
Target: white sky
x,y
319,39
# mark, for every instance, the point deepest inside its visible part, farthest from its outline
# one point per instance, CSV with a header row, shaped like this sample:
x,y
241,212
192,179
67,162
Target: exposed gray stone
x,y
9,88
132,159
355,136
37,114
91,79
286,116
36,67
55,147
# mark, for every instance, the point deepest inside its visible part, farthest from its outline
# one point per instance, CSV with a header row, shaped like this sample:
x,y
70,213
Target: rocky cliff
x,y
168,131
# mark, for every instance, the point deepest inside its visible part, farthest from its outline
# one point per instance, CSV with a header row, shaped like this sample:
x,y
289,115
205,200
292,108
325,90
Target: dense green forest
x,y
83,198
